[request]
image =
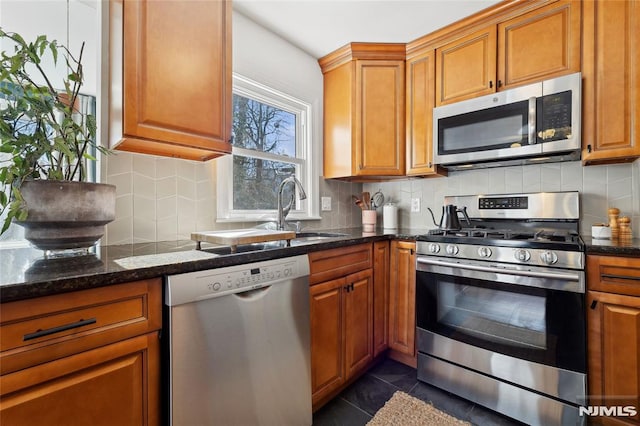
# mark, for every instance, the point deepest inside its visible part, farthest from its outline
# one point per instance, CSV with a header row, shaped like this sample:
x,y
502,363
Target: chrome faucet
x,y
284,211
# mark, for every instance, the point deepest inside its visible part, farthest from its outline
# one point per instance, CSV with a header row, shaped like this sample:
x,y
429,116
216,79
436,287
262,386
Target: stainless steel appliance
x,y
500,306
535,123
239,342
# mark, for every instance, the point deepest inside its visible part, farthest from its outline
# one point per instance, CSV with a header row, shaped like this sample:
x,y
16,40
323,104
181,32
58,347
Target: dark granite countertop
x,y
25,273
612,248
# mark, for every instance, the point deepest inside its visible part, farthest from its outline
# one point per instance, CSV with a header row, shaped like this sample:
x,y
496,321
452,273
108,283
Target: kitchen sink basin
x,y
301,238
241,248
308,237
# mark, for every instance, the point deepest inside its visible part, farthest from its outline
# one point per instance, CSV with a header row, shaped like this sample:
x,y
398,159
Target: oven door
x,y
528,313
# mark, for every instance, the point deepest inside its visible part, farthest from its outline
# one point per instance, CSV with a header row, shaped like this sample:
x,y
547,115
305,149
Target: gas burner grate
x,y
540,236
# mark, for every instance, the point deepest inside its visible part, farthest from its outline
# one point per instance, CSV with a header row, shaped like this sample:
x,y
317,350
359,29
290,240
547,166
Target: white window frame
x,y
305,167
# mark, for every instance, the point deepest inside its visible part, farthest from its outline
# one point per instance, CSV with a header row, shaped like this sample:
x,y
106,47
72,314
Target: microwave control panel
x,y
554,117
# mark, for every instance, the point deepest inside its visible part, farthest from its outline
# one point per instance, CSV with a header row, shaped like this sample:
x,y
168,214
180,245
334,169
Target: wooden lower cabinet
x,y
613,318
341,332
105,386
89,357
342,316
358,322
380,297
402,309
327,337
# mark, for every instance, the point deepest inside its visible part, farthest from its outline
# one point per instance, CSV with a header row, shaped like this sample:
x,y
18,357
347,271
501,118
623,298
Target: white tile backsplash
x,y
600,187
164,199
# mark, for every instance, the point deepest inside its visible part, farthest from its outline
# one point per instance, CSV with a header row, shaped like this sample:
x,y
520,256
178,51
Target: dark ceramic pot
x,y
67,215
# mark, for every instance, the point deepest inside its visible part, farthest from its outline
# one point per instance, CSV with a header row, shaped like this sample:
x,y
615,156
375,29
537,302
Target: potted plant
x,y
46,144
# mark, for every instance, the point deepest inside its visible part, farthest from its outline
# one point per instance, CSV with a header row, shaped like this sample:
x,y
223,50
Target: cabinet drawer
x,y
42,329
329,264
614,274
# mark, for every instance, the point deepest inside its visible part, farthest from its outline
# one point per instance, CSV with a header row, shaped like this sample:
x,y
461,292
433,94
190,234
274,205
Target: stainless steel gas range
x,y
500,306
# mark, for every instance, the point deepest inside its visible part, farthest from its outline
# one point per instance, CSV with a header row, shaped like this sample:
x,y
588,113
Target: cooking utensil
x,y
377,200
359,202
366,199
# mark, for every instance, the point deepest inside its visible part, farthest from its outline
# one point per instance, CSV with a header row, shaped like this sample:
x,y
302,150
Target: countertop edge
x,y
87,279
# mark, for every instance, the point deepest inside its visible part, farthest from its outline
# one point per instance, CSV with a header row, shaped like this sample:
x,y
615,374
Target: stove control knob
x,y
549,257
434,248
522,255
484,252
452,249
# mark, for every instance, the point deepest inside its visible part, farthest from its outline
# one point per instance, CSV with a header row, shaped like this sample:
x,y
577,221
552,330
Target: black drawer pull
x,y
58,329
593,304
620,277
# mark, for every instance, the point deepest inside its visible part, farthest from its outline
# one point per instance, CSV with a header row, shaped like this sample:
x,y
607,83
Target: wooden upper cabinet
x,y
420,98
176,77
364,111
539,45
466,67
533,46
611,81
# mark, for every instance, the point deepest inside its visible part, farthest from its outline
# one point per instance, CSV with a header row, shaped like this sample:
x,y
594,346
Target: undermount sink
x,y
315,236
301,238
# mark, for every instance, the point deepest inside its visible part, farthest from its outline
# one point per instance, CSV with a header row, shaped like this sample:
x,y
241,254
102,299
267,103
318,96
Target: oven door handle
x,y
537,274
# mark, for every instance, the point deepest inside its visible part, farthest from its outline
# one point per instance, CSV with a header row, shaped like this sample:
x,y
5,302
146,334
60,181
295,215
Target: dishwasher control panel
x,y
193,286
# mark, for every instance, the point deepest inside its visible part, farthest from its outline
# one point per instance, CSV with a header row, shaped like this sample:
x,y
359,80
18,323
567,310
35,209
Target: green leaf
x,y
54,52
7,223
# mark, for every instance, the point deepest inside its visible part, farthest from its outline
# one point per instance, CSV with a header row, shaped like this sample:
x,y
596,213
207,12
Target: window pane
x,y
256,181
262,127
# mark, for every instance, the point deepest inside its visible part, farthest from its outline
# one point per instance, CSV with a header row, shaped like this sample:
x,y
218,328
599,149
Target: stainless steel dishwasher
x,y
239,342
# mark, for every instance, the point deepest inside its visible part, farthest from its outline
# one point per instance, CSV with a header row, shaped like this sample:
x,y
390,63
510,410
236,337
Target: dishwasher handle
x,y
253,294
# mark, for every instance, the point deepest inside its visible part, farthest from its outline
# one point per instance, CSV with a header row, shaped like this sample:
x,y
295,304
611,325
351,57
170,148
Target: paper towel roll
x,y
390,216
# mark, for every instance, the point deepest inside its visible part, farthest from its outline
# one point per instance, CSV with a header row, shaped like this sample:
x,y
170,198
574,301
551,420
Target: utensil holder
x,y
368,220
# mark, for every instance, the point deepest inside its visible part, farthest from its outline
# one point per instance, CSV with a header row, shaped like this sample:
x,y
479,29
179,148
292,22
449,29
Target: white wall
x,y
70,22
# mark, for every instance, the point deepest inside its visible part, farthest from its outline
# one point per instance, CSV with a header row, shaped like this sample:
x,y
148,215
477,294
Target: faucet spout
x,y
282,210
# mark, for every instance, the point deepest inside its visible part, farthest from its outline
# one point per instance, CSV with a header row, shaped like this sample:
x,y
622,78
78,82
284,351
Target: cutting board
x,y
234,237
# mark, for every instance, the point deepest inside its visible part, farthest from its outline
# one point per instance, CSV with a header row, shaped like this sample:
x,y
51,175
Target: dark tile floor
x,y
357,404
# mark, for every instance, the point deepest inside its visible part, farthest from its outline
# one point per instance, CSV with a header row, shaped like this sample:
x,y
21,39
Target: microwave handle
x,y
532,121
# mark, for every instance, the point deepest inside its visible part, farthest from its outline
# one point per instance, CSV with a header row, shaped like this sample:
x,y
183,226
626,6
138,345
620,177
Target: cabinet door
x,y
358,321
539,45
611,86
380,296
113,384
466,67
177,78
402,295
419,114
327,362
379,118
614,353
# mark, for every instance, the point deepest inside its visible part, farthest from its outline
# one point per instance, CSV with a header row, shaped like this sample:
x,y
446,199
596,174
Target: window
x,y
271,141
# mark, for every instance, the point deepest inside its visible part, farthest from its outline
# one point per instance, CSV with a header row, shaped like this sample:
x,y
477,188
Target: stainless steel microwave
x,y
529,124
